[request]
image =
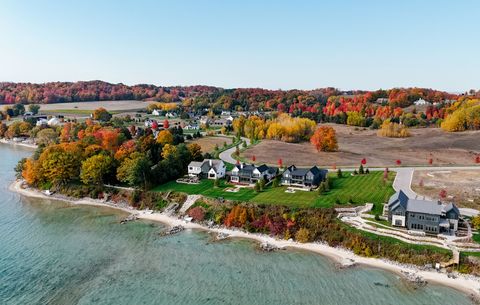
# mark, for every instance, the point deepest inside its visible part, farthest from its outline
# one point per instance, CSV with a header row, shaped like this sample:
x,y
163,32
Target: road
x,y
226,156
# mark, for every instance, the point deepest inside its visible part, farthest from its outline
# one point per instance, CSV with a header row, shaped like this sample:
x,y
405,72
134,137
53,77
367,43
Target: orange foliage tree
x,y
325,139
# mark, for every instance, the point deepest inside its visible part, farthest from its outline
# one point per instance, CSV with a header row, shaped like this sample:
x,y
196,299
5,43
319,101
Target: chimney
x,y
241,165
210,162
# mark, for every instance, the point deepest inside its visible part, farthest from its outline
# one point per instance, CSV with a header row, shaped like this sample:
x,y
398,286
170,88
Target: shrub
x,y
197,213
302,235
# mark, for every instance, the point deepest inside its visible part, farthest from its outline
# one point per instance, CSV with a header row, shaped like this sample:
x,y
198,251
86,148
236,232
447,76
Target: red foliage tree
x,y
154,125
477,159
399,162
166,124
443,194
364,161
430,161
254,158
280,163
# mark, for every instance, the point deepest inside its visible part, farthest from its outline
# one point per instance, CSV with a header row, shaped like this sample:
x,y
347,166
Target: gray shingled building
x,y
432,217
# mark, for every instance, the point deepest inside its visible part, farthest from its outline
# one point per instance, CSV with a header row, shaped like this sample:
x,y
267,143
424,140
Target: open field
x,y
208,143
109,105
357,189
463,187
444,148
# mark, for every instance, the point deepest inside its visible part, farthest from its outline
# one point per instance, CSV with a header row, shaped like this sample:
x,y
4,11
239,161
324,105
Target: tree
x,y
31,172
363,161
443,194
254,158
134,170
33,108
60,163
256,187
168,150
101,114
339,173
280,163
165,137
398,162
361,171
95,168
195,151
46,137
324,139
321,188
393,130
166,124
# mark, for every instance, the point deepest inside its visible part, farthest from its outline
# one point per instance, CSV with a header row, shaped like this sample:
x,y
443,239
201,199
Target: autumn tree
x,y
166,124
47,136
165,137
195,151
324,139
393,130
95,168
168,150
60,163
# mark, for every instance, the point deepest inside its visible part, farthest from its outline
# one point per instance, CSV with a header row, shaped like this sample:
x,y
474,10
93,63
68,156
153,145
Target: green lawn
x,y
206,188
355,189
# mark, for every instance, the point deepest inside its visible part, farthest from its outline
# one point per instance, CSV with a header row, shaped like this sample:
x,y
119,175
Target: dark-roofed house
x,y
304,177
249,173
432,217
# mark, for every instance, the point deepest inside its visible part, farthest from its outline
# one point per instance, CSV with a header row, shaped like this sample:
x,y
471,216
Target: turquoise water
x,y
54,253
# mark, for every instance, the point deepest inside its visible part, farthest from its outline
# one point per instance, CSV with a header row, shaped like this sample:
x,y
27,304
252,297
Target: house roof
x,y
297,171
420,206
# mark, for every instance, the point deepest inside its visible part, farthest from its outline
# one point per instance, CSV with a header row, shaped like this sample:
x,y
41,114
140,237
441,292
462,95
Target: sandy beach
x,y
465,283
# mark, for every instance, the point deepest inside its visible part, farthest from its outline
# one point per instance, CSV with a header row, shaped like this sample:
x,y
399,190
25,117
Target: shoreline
x,y
466,284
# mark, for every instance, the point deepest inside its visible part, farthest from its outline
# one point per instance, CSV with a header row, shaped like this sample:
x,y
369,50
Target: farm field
x,y
463,187
208,143
109,105
355,190
354,144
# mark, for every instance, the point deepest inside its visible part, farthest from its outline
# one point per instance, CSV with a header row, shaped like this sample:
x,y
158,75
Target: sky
x,y
347,44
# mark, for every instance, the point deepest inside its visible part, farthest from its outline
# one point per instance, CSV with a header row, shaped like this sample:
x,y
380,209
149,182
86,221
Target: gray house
x,y
432,217
250,174
304,177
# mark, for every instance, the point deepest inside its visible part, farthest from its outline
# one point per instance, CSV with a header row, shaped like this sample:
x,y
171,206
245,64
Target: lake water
x,y
54,253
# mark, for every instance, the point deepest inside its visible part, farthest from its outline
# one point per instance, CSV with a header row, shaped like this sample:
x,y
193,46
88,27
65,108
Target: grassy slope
x,y
360,189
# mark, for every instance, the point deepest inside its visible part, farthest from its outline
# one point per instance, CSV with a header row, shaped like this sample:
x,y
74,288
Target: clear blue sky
x,y
272,44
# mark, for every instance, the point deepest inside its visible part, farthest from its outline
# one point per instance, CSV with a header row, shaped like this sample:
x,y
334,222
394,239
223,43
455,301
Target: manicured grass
x,y
206,188
358,189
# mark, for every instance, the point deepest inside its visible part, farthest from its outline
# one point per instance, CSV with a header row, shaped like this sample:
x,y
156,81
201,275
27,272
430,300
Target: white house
x,y
421,102
156,112
53,122
209,168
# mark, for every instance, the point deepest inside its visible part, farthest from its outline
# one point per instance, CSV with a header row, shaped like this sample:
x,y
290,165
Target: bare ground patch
x,y
463,187
208,143
354,144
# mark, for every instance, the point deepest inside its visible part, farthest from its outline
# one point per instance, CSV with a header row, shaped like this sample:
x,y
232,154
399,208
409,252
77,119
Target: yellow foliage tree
x,y
165,137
